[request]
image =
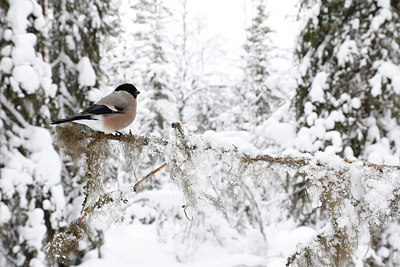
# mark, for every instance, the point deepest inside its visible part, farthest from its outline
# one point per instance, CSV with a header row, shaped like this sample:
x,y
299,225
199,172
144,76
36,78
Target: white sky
x,y
229,18
226,20
223,24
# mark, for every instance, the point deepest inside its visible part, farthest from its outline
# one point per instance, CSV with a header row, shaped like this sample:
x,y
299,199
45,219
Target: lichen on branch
x,y
357,196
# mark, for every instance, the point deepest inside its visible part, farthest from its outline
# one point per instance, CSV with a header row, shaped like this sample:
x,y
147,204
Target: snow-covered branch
x,y
357,196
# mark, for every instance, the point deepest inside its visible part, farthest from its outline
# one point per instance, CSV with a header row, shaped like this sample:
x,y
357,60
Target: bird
x,y
111,113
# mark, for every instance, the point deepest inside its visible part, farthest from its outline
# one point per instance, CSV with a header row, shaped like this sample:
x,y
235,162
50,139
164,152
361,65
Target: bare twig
x,y
184,207
106,198
148,176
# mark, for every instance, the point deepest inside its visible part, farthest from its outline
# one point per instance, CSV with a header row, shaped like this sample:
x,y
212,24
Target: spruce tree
x,y
259,99
78,30
151,62
31,195
347,98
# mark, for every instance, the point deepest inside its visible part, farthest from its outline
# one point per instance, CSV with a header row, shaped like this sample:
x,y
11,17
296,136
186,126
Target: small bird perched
x,y
112,113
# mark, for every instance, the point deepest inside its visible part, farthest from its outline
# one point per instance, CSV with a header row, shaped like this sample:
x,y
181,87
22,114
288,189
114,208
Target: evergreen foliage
x,y
347,101
259,98
78,29
31,197
347,98
151,61
37,206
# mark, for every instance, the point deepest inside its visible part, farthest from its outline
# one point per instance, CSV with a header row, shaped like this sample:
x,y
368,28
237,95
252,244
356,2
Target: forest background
x,y
279,124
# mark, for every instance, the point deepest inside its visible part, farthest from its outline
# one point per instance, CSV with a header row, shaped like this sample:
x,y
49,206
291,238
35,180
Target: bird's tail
x,y
71,119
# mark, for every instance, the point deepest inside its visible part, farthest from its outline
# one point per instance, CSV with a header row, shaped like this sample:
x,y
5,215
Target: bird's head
x,y
130,88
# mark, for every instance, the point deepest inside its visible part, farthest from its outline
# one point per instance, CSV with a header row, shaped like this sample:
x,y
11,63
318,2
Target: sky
x,y
229,19
223,25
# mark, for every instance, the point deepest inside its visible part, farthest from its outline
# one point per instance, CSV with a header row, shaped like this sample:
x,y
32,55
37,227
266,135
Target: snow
x,y
39,23
27,77
355,23
137,243
7,34
345,52
18,13
380,197
357,189
5,214
35,229
376,84
383,252
70,42
336,139
9,183
282,133
384,14
6,65
87,75
389,70
383,3
318,86
300,235
24,51
39,142
6,51
225,141
380,153
333,161
356,103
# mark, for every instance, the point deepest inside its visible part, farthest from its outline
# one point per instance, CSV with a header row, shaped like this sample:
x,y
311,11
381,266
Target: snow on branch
x,y
357,196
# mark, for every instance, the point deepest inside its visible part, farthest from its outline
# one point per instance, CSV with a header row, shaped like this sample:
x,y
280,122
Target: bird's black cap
x,y
130,88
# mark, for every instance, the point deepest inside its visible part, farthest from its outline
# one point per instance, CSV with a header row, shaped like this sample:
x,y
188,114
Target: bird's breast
x,y
118,121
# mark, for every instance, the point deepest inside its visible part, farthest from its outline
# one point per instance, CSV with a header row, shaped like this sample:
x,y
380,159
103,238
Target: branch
x,y
184,207
350,191
108,198
302,159
305,159
148,176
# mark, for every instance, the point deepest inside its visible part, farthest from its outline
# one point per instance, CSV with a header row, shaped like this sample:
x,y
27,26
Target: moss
x,y
325,251
131,147
92,151
72,141
66,247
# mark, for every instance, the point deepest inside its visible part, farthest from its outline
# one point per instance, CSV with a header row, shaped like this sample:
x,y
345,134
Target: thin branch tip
x,y
148,176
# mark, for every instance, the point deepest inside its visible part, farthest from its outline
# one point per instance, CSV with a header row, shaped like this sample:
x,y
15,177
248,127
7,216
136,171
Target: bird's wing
x,y
114,101
100,110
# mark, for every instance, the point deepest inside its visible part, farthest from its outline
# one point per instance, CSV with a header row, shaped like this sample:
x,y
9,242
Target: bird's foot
x,y
119,134
115,135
